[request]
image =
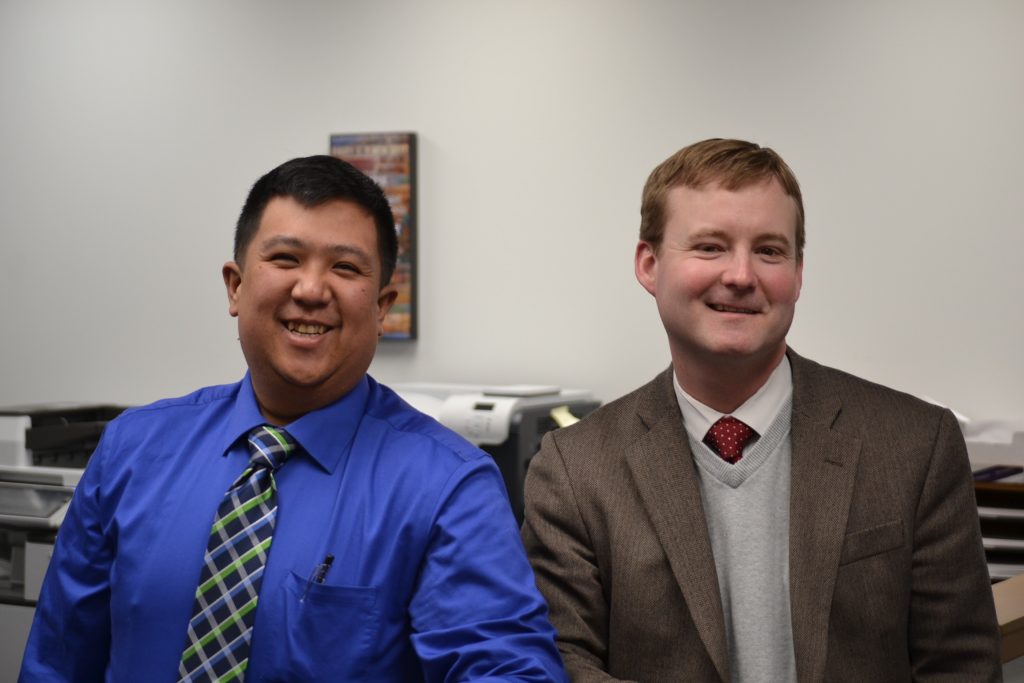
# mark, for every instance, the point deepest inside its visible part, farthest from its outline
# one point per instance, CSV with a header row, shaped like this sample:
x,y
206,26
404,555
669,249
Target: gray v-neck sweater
x,y
747,510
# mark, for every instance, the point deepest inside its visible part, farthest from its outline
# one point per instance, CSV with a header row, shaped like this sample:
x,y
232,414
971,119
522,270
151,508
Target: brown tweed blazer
x,y
887,574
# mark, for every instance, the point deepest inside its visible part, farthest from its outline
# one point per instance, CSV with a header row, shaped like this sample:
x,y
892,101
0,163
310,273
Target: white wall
x,y
130,133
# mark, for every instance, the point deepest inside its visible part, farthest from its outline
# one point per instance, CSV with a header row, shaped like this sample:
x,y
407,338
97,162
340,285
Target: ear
x,y
385,300
232,274
645,265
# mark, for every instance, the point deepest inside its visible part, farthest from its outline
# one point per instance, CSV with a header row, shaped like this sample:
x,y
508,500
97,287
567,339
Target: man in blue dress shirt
x,y
395,555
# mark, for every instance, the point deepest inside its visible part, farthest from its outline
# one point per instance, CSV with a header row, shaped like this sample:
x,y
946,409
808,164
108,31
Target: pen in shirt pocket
x,y
318,574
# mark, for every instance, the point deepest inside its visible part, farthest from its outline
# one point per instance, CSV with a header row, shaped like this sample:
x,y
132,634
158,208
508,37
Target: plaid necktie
x,y
217,646
727,437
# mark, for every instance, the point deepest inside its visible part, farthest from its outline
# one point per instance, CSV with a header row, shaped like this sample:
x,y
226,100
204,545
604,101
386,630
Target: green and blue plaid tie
x,y
219,633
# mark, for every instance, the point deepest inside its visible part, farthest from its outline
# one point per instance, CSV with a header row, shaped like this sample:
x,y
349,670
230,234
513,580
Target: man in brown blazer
x,y
750,515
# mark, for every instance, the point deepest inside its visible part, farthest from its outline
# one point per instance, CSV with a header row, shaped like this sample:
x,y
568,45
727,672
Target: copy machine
x,y
43,450
507,421
999,445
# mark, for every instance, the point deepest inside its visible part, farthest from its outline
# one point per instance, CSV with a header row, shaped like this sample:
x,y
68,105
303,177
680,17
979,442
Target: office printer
x,y
999,445
43,450
506,421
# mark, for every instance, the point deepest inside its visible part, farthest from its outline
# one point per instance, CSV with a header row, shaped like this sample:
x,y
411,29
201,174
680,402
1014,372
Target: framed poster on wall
x,y
390,159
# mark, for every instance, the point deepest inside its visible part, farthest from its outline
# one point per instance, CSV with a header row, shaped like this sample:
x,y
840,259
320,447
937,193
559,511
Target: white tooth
x,y
303,328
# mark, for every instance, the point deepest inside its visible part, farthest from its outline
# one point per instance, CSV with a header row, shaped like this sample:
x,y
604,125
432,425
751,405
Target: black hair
x,y
313,181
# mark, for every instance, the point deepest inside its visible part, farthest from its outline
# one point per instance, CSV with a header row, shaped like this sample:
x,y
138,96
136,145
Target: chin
x,y
306,381
758,353
739,350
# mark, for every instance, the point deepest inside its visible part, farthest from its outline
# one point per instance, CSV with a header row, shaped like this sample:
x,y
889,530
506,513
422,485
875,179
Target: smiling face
x,y
726,276
309,304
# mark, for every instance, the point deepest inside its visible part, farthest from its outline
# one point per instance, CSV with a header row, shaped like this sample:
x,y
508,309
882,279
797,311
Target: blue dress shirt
x,y
429,581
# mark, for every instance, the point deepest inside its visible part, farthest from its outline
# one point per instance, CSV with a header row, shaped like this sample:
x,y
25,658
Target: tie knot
x,y
727,437
270,447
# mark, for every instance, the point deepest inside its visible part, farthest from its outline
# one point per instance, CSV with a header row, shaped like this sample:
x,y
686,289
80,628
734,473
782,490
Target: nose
x,y
739,271
310,287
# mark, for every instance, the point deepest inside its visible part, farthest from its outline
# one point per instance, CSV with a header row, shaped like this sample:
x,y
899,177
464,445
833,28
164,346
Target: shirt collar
x,y
758,411
325,433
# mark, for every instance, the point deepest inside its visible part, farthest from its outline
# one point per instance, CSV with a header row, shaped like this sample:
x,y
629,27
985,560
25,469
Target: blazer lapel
x,y
663,469
823,470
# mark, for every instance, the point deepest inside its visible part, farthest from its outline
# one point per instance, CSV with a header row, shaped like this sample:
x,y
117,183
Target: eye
x,y
771,252
346,266
282,258
708,248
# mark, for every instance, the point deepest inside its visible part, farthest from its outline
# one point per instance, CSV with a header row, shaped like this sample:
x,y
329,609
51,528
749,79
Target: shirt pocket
x,y
865,543
328,632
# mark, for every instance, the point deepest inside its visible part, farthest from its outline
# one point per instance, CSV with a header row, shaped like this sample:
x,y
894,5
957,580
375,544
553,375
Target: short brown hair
x,y
733,164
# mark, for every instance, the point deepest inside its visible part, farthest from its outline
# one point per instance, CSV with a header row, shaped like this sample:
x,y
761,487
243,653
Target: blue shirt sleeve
x,y
476,613
70,636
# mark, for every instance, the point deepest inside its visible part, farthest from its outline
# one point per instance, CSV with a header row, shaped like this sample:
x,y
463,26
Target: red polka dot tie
x,y
727,437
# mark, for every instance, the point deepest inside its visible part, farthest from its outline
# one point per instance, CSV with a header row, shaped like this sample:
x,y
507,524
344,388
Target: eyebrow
x,y
296,243
724,235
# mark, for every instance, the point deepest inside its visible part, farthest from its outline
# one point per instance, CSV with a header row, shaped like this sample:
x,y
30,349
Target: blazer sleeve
x,y
565,563
954,634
